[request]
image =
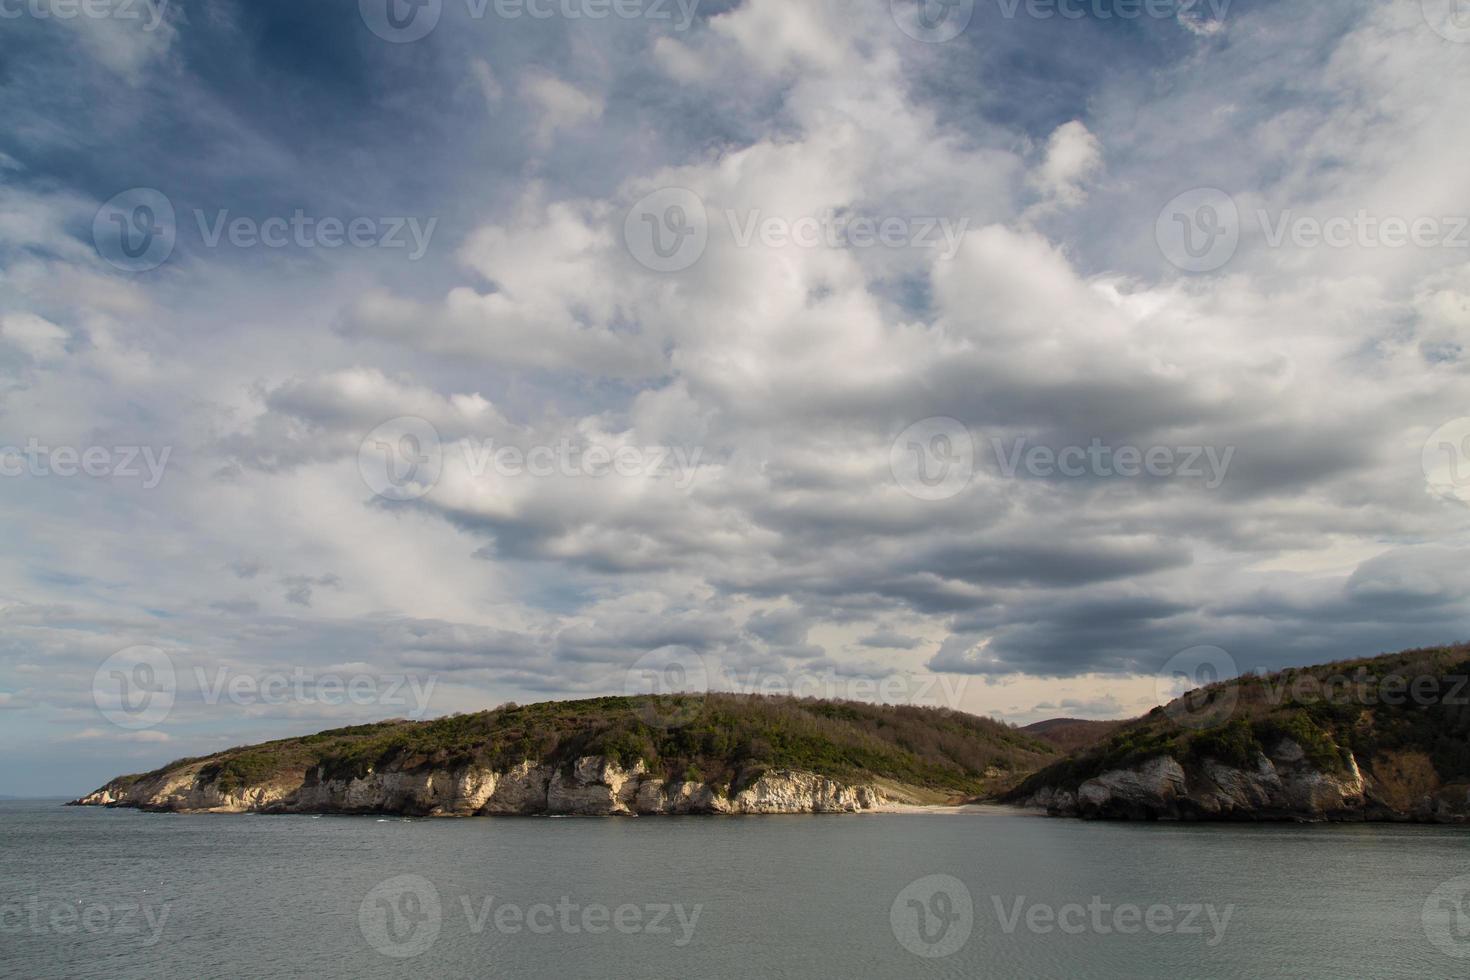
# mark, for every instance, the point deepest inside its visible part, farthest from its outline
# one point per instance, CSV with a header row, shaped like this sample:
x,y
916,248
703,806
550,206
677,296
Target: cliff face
x,y
707,753
594,786
1283,785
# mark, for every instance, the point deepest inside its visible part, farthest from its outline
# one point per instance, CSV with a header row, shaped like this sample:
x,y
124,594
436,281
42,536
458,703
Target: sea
x,y
978,893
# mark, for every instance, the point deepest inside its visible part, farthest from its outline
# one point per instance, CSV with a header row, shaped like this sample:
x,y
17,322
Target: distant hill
x,y
714,753
1382,738
1071,734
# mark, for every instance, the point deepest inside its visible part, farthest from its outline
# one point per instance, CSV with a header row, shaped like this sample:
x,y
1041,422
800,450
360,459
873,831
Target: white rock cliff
x,y
593,786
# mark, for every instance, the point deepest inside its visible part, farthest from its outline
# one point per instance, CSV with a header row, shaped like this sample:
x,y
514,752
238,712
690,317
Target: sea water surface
x,y
990,893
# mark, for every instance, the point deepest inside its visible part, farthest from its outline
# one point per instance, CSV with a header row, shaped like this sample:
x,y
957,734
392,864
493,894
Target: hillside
x,y
1071,734
717,753
1383,738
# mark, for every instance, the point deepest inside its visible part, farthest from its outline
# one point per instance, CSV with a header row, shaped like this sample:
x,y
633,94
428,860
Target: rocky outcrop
x,y
591,786
803,792
1283,785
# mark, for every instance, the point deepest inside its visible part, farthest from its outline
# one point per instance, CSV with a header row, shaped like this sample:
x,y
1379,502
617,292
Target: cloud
x,y
35,335
557,104
1073,155
781,540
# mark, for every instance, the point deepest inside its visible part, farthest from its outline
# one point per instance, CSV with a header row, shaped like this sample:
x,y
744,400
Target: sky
x,y
363,361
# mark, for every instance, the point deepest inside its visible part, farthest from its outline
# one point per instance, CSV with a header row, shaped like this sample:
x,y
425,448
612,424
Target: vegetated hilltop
x,y
1072,734
1382,738
675,754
